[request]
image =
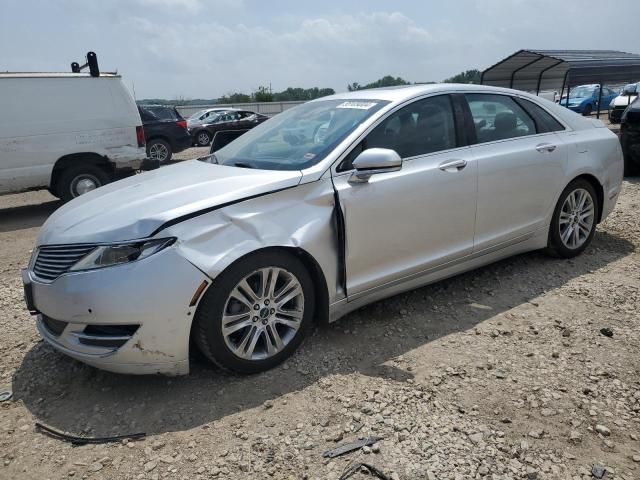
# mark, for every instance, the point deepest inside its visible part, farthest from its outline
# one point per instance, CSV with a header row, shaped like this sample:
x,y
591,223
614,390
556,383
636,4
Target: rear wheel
x,y
158,149
256,313
78,180
574,220
203,138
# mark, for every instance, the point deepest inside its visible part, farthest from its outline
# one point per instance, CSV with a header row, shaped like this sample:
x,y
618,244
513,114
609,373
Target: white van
x,y
67,132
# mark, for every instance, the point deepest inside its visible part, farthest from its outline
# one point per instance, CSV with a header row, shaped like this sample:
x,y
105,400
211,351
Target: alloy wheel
x,y
577,218
203,139
158,151
263,313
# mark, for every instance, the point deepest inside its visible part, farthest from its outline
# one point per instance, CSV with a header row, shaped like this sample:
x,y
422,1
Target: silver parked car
x,y
322,209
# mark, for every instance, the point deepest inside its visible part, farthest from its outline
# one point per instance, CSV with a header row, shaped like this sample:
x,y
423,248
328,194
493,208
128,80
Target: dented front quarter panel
x,y
302,217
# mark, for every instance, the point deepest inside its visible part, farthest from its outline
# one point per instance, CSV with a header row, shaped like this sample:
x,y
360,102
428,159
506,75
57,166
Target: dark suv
x,y
630,138
165,131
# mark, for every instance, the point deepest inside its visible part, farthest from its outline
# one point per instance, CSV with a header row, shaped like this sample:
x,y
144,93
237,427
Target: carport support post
x,y
566,104
599,101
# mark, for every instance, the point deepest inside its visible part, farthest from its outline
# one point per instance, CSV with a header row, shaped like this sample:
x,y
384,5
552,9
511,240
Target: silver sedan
x,y
320,210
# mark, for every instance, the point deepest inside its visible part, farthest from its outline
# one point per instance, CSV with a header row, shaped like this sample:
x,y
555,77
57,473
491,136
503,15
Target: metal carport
x,y
539,70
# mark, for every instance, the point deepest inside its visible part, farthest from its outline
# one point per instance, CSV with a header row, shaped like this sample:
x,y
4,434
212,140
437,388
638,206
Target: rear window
x,y
163,113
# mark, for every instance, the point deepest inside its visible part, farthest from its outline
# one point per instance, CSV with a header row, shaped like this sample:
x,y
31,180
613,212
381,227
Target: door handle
x,y
452,165
545,147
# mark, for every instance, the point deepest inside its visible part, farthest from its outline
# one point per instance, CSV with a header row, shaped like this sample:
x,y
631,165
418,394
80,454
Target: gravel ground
x,y
501,373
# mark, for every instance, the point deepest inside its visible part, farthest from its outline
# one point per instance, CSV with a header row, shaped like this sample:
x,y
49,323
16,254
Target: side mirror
x,y
373,161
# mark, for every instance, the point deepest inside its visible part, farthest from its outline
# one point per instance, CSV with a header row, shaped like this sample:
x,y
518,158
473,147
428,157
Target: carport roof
x,y
539,70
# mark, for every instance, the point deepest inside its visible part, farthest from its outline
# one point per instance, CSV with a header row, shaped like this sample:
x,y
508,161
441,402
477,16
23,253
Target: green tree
x,y
235,98
301,94
469,76
263,95
386,81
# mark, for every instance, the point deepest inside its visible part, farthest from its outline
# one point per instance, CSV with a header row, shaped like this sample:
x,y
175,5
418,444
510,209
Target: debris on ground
x,y
75,440
350,447
421,369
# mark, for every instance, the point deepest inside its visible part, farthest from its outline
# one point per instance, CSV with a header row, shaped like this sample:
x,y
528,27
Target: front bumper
x,y
615,114
150,298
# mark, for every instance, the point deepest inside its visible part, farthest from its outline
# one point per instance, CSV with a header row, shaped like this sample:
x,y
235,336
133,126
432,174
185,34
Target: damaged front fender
x,y
302,217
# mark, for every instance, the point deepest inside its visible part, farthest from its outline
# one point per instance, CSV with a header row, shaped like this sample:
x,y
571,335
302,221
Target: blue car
x,y
584,98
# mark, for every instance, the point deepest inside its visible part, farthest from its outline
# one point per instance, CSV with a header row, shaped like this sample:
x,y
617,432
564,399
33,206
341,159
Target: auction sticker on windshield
x,y
357,105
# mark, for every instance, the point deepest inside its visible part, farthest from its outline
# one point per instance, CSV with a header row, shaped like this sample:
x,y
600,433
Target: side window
x,y
498,117
425,126
544,120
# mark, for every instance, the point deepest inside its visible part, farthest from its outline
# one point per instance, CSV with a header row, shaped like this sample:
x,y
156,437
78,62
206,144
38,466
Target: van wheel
x,y
78,180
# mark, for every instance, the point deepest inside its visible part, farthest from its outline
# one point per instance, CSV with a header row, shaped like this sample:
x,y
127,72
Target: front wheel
x,y
256,313
587,110
574,220
203,138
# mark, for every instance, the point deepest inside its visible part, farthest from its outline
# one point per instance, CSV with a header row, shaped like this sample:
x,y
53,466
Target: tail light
x,y
182,123
140,136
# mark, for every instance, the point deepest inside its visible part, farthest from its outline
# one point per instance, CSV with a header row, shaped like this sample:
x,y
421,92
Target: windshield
x,y
299,137
582,92
630,89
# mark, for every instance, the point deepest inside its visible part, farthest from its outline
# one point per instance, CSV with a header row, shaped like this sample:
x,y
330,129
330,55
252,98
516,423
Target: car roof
x,y
407,92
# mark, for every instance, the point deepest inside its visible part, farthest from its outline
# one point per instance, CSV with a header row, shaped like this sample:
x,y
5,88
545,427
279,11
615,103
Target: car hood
x,y
136,206
624,100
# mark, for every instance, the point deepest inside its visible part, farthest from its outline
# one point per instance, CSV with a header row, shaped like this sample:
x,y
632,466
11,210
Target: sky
x,y
207,48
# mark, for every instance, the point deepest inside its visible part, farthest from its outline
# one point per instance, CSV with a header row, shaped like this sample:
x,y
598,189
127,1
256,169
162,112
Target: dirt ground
x,y
500,373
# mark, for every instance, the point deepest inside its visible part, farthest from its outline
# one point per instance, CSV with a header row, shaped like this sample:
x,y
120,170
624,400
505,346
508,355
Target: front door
x,y
401,223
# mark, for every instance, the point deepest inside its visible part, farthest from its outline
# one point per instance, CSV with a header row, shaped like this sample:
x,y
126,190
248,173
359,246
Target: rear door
x,y
402,223
521,163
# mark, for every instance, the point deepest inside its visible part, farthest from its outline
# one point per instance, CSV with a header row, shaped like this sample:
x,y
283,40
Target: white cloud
x,y
204,48
192,6
328,51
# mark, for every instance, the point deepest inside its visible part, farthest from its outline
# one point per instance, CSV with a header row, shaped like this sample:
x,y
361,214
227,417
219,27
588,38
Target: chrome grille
x,y
54,260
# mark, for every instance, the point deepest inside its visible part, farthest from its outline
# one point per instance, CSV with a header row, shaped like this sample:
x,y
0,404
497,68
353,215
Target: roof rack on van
x,y
92,63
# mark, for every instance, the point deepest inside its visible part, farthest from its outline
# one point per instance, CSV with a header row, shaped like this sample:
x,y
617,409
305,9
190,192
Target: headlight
x,y
116,254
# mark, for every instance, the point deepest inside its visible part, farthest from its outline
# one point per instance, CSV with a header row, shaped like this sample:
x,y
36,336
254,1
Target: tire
x,y
76,180
631,168
251,325
203,138
587,110
567,244
159,149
